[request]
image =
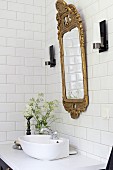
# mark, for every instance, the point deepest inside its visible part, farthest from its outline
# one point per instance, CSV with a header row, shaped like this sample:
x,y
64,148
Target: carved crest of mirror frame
x,y
68,18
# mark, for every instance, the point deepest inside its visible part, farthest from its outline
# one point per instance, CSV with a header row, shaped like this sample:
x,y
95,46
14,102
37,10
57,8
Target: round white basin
x,y
44,148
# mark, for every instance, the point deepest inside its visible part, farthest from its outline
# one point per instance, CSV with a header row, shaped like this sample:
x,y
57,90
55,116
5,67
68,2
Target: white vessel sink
x,y
44,148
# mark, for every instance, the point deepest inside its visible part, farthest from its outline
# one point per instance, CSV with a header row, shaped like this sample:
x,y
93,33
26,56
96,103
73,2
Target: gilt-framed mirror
x,y
73,59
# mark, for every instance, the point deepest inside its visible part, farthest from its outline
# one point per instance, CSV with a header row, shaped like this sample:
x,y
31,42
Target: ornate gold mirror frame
x,y
68,18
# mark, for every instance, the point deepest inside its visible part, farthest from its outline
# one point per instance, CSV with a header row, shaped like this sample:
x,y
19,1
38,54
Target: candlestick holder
x,y
28,131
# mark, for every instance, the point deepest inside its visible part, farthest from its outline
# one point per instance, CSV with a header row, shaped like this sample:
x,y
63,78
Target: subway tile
x,y
3,117
33,9
14,42
39,71
2,136
93,59
15,61
107,107
16,98
101,96
39,19
93,135
100,70
2,98
43,11
3,23
111,125
23,52
110,37
2,41
100,123
67,119
5,32
20,126
7,107
107,138
86,121
15,7
39,53
94,84
81,132
92,10
26,70
106,82
7,126
25,34
15,79
24,17
93,110
106,57
16,24
24,89
13,135
7,88
39,88
7,51
5,69
33,44
90,72
15,116
3,60
33,80
110,12
110,26
66,129
33,62
110,96
85,145
100,150
20,107
2,79
33,27
100,16
8,14
103,4
3,4
110,68
39,37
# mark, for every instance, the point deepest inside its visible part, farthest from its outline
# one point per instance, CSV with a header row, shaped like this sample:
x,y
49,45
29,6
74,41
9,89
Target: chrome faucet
x,y
54,135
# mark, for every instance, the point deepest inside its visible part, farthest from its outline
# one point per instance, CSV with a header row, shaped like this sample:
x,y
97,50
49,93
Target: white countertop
x,y
18,160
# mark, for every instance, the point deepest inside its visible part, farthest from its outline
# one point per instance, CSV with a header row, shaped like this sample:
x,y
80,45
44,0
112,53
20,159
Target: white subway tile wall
x,y
22,39
92,133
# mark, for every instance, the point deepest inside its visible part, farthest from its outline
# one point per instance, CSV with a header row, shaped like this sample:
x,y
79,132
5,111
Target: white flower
x,y
40,110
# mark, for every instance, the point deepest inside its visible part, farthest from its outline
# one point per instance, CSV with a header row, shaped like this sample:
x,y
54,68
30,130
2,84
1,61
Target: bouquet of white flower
x,y
41,111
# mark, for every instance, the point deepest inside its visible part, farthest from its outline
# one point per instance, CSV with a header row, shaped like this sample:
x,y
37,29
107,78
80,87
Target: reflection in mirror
x,y
73,65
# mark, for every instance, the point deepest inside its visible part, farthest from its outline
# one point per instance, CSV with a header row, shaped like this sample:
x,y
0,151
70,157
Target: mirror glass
x,y
73,65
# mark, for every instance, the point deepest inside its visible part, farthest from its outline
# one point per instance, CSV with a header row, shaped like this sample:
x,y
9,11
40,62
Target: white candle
x,y
96,35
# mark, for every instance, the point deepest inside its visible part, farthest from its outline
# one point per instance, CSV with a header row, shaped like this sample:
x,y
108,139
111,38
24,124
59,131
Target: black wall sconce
x,y
52,61
100,33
